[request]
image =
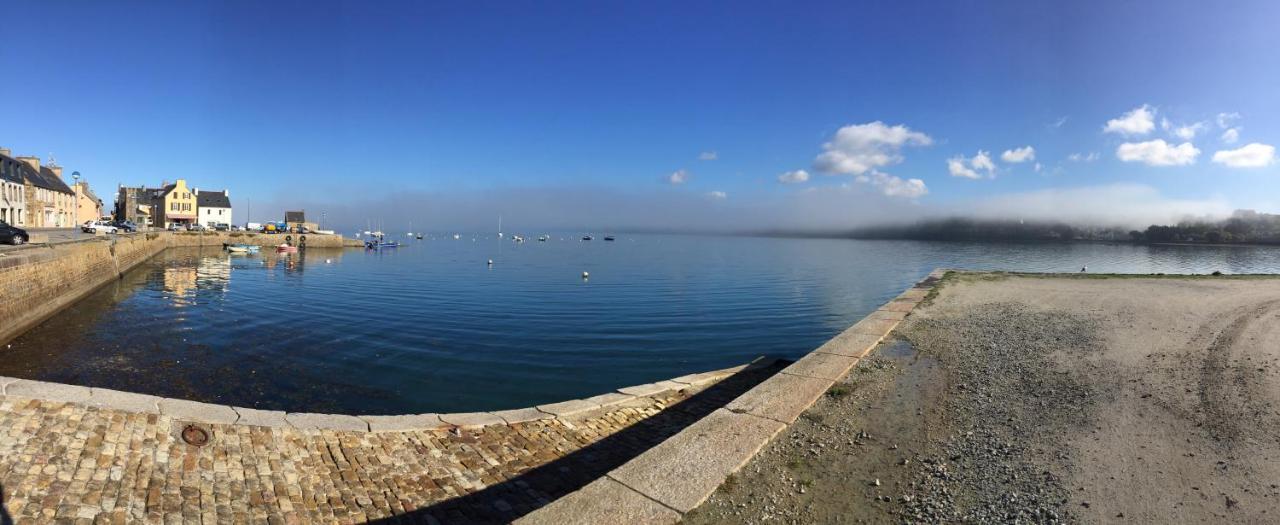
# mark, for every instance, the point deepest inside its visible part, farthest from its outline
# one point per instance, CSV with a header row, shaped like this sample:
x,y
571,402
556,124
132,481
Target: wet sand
x,y
1043,399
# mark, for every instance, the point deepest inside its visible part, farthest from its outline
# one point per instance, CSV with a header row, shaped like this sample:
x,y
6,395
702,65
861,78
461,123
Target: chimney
x,y
34,162
6,152
226,192
56,169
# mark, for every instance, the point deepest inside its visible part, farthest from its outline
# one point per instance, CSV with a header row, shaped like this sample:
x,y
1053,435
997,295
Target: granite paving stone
x,y
782,397
682,471
822,365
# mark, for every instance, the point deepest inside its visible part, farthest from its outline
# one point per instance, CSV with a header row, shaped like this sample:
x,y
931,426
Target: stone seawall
x,y
38,281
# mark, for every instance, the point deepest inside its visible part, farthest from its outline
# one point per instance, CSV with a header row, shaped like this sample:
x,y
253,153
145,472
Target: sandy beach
x,y
1044,399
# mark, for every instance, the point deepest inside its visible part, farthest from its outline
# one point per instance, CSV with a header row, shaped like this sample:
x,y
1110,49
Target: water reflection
x,y
432,327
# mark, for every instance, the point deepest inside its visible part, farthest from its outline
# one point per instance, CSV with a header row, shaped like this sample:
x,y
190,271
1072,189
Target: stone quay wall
x,y
39,280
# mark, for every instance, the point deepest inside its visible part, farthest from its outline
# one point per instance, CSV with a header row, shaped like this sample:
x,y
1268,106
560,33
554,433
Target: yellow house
x,y
179,206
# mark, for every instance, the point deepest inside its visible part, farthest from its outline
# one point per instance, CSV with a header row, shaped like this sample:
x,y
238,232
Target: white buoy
x,y
328,261
490,262
585,275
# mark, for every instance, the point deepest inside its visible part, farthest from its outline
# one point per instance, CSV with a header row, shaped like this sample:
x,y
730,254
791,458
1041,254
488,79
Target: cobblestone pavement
x,y
68,463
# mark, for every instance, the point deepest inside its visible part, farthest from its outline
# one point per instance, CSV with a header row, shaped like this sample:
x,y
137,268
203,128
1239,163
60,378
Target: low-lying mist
x,y
817,211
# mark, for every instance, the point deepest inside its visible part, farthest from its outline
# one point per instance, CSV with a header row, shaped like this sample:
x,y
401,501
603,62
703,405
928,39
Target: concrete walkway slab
x,y
900,305
194,411
880,327
308,421
651,388
583,507
569,408
782,397
522,415
850,343
822,366
126,401
49,391
472,419
684,470
261,418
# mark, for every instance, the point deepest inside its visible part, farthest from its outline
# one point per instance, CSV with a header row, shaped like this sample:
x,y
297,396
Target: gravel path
x,y
1045,400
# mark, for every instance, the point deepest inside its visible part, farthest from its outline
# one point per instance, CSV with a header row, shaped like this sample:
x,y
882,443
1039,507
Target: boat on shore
x,y
285,248
242,248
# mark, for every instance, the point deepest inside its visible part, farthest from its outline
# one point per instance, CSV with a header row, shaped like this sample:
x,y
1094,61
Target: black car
x,y
13,234
125,226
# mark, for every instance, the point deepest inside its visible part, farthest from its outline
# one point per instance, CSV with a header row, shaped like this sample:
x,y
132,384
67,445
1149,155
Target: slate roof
x,y
17,172
50,181
212,199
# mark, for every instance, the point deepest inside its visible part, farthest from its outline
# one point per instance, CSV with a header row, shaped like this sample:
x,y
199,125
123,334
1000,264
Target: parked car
x,y
126,226
97,226
222,227
175,227
13,234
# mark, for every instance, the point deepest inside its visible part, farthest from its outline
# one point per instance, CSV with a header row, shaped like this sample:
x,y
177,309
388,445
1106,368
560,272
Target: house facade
x,y
177,205
213,207
88,205
50,203
13,193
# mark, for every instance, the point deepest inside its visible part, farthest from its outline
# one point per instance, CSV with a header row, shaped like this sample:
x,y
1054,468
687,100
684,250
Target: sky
x,y
695,115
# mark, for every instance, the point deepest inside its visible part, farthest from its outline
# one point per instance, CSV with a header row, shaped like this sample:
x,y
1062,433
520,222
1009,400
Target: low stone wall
x,y
37,281
662,484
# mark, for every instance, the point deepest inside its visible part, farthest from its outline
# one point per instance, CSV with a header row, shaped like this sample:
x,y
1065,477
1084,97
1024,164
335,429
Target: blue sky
x,y
327,104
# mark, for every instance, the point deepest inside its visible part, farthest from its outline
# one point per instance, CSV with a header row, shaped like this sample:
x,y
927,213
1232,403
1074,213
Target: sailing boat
x,y
499,226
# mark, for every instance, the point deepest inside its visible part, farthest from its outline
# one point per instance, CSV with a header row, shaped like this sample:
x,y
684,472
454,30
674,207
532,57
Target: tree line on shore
x,y
1243,227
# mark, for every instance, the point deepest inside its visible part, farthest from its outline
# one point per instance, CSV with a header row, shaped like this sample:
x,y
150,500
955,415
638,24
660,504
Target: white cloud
x,y
859,148
1038,167
708,155
1081,157
1225,119
1023,154
1139,121
678,177
794,177
1231,135
1058,123
1188,131
718,195
1158,153
894,186
1252,155
968,168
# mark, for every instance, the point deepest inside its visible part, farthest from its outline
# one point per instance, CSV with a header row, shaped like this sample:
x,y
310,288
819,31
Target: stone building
x,y
13,194
135,205
213,207
50,203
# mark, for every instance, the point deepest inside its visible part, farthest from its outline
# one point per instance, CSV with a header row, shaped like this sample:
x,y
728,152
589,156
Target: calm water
x,y
430,327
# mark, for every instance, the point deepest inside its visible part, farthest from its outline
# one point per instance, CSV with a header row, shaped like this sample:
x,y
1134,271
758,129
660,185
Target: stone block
x,y
569,408
822,365
900,305
48,391
850,343
684,470
610,399
782,397
196,411
472,419
879,327
887,314
914,294
403,422
522,415
309,421
651,388
601,501
261,418
6,381
700,378
126,401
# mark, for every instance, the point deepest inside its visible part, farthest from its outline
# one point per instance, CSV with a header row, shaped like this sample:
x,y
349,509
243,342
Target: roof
x,y
48,180
213,199
17,175
293,216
